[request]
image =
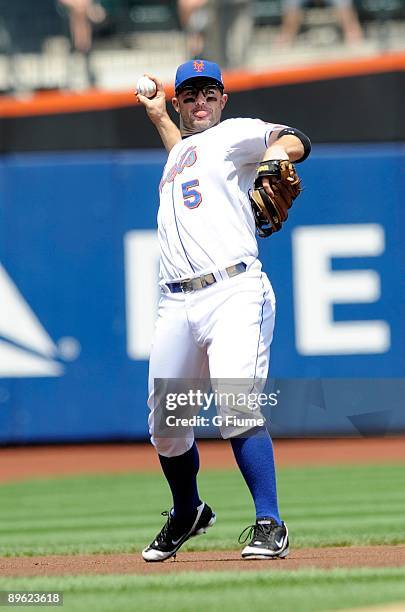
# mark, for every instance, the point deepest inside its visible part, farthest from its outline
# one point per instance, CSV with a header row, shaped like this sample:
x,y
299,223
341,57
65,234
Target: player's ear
x,y
175,104
224,100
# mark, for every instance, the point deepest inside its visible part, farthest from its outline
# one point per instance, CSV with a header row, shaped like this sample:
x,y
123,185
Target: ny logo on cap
x,y
198,65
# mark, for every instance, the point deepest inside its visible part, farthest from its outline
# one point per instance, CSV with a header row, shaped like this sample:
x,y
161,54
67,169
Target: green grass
x,y
301,591
323,506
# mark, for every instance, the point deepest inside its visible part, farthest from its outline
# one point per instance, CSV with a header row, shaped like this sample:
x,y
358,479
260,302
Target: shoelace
x,y
255,531
162,535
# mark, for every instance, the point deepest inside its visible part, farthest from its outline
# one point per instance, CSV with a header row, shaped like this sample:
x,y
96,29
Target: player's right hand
x,y
156,106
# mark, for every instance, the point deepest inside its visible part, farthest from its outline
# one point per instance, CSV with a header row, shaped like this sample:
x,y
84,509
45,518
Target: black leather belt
x,y
193,284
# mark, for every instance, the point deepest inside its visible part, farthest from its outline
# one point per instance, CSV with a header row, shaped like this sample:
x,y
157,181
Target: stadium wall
x,y
357,100
78,295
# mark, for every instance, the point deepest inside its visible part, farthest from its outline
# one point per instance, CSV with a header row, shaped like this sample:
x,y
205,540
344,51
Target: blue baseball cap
x,y
198,69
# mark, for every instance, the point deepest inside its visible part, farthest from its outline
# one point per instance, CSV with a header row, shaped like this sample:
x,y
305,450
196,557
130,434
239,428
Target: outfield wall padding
x,y
78,288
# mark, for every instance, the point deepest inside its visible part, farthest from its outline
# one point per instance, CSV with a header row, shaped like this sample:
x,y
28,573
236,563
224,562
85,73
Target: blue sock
x,y
181,474
255,458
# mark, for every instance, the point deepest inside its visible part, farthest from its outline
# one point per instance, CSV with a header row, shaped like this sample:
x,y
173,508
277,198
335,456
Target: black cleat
x,y
173,534
269,540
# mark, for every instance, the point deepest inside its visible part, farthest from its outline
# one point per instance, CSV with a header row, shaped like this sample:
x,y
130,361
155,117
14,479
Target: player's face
x,y
200,107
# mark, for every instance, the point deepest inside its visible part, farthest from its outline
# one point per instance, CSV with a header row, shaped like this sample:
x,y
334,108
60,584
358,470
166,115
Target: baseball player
x,y
217,307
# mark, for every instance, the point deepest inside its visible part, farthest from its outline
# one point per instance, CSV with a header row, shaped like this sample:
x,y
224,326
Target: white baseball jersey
x,y
205,221
206,224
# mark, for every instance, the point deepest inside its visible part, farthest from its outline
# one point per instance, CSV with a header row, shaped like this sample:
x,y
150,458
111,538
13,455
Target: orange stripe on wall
x,y
93,100
390,62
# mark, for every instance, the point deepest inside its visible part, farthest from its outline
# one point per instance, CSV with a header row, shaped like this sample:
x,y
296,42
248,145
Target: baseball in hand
x,y
146,87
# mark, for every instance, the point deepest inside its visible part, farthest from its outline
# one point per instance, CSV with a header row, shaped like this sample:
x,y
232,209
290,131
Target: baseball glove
x,y
271,212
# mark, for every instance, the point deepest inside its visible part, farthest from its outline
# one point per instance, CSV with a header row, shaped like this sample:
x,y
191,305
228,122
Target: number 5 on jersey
x,y
191,197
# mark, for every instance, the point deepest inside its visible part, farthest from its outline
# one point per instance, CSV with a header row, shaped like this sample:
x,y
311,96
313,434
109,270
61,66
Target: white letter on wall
x,y
317,288
141,251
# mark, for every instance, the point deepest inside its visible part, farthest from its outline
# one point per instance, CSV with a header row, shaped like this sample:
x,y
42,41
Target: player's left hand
x,y
276,187
266,186
274,152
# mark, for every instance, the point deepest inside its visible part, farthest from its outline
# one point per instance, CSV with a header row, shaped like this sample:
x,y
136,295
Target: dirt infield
x,y
325,558
32,462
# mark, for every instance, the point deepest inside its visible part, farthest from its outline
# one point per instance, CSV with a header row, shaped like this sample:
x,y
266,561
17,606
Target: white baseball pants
x,y
223,331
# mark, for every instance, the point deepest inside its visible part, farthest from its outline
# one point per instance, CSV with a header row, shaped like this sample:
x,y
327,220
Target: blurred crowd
x,y
220,30
194,19
235,19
